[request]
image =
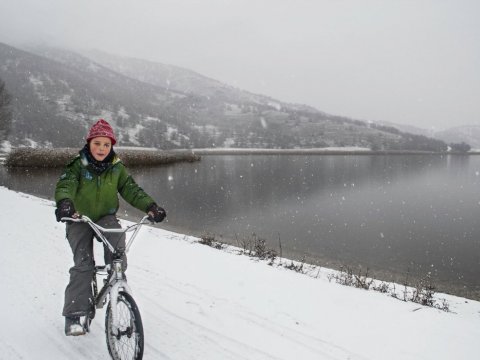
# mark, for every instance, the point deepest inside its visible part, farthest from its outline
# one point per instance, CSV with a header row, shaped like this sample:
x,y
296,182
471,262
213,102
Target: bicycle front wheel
x,y
125,339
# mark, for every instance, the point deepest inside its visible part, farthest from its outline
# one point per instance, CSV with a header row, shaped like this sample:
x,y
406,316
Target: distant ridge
x,y
57,94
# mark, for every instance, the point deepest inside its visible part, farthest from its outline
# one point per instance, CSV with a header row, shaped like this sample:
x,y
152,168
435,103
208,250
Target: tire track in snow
x,y
202,302
196,336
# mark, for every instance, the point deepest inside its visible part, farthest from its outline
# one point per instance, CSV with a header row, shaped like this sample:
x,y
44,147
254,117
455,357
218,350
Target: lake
x,y
397,215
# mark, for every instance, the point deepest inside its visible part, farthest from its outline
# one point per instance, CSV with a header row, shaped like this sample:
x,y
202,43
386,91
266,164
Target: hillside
x,y
58,93
54,102
183,80
469,134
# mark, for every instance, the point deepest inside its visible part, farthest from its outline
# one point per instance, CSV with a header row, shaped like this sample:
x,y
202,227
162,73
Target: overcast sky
x,y
409,62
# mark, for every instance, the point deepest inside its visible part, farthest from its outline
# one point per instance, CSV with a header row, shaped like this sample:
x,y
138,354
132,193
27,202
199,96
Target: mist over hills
x,y
57,94
469,134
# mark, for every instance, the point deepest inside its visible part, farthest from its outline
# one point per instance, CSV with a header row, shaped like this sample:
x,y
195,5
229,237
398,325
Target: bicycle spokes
x,y
125,333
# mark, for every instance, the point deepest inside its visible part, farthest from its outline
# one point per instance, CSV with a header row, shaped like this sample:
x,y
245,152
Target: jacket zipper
x,y
97,196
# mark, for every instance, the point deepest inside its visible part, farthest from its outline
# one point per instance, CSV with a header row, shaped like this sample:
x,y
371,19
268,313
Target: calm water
x,y
392,214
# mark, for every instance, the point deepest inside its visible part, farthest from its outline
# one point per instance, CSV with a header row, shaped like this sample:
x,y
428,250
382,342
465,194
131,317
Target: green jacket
x,y
95,195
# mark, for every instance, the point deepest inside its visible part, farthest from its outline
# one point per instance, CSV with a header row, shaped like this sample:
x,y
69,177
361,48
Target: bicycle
x,y
123,323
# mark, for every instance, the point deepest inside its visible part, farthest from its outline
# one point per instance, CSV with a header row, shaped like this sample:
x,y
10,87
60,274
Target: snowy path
x,y
201,303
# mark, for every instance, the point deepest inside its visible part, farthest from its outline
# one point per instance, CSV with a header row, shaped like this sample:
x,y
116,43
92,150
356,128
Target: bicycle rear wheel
x,y
124,341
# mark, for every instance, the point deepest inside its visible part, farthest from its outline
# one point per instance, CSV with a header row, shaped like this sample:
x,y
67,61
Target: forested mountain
x,y
57,94
469,134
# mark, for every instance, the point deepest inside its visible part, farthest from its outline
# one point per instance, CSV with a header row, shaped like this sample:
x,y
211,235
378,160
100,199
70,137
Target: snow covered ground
x,y
201,303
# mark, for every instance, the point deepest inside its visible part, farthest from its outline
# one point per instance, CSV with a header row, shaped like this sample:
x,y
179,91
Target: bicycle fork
x,y
116,283
120,285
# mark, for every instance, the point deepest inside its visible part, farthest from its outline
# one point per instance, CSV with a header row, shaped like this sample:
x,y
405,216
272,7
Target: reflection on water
x,y
40,182
392,214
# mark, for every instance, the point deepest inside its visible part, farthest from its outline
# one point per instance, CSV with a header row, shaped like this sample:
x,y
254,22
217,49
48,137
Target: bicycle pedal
x,y
85,323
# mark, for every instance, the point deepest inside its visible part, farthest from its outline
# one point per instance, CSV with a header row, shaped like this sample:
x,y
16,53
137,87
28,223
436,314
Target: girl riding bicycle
x,y
90,186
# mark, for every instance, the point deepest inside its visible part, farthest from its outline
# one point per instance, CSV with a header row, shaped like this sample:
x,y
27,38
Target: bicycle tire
x,y
127,343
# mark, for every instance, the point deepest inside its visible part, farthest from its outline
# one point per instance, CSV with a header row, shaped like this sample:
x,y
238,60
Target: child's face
x,y
100,147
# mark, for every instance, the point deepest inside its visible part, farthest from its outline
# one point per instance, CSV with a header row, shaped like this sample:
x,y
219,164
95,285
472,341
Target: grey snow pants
x,y
78,294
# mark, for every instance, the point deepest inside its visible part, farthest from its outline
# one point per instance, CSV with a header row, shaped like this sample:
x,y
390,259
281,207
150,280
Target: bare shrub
x,y
245,244
261,250
346,276
209,240
444,306
257,247
382,287
295,265
421,293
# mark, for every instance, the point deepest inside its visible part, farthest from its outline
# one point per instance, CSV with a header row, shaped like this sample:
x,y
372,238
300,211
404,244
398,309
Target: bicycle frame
x,y
116,280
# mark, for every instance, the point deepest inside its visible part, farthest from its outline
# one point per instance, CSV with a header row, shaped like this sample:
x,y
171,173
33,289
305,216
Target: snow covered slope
x,y
201,303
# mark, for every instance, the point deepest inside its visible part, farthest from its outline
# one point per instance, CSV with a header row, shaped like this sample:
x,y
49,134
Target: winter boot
x,y
73,327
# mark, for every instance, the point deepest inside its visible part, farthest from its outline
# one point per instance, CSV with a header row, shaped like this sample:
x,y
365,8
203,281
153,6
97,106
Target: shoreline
x,y
131,156
392,274
319,151
392,271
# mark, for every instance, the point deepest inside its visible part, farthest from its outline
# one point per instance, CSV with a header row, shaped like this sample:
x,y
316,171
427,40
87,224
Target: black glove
x,y
156,213
65,208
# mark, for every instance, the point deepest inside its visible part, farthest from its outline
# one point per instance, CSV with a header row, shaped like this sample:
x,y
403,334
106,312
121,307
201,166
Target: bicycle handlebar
x,y
100,231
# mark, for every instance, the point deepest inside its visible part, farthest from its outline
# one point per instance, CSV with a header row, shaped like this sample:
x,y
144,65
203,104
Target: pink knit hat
x,y
101,128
